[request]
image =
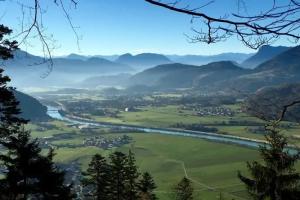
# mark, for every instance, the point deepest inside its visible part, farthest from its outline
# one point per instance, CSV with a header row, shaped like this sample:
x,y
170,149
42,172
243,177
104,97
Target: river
x,y
53,112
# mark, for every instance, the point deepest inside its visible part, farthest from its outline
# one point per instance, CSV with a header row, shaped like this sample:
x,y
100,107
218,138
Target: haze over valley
x,y
149,100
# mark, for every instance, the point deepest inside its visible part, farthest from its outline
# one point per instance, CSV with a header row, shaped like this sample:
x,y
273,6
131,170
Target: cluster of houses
x,y
215,111
107,143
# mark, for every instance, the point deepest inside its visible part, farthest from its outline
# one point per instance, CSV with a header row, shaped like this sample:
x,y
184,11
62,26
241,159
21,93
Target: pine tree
x,y
30,174
184,190
131,176
9,111
97,178
275,178
118,178
146,187
27,173
51,184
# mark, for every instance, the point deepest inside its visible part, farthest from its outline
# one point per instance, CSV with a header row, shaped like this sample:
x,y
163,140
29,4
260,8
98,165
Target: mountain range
x,y
281,69
157,70
143,61
27,70
203,60
264,54
225,75
185,76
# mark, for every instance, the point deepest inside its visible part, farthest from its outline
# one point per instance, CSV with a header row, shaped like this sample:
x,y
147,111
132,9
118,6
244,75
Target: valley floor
x,y
211,166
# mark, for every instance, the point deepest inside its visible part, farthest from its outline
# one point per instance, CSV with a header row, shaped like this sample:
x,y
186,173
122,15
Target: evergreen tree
x,y
30,174
184,190
9,111
27,173
146,187
51,184
118,176
275,178
131,176
97,178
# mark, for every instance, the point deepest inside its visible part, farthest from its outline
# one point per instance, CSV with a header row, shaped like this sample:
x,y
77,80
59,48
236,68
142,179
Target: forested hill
x,y
31,108
264,54
269,102
181,76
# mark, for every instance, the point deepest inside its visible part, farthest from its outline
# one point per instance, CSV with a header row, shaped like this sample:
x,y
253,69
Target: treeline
x,y
117,178
194,127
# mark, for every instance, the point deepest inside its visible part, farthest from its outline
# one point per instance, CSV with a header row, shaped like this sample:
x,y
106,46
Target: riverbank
x,y
54,113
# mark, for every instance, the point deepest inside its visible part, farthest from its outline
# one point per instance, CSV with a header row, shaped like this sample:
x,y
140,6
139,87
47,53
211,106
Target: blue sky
x,y
120,26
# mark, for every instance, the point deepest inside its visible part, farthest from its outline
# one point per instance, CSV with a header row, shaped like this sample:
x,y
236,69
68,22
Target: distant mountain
x,y
283,68
203,60
112,80
264,54
76,57
31,108
85,57
288,61
108,57
90,66
224,76
177,75
143,61
26,70
269,102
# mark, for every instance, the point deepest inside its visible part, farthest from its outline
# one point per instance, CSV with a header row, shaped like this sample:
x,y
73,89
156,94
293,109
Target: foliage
x,y
184,190
117,179
275,178
146,187
27,173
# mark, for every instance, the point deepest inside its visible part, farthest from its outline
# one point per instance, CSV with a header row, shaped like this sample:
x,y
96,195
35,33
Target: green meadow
x,y
211,166
166,116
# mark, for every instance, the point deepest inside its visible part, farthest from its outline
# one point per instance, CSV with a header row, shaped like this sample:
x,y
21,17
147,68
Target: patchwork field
x,y
167,116
211,166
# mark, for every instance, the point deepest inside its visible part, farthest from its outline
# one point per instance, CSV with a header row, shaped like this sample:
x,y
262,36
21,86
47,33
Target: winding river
x,y
54,113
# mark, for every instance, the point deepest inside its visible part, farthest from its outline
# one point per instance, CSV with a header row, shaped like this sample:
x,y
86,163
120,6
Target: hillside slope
x,y
31,108
269,102
282,69
264,54
177,75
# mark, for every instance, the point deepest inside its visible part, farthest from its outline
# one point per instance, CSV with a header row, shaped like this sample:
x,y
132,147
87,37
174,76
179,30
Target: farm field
x,y
169,112
167,116
212,166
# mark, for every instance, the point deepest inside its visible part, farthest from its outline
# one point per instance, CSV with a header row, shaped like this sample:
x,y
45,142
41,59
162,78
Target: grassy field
x,y
211,166
169,115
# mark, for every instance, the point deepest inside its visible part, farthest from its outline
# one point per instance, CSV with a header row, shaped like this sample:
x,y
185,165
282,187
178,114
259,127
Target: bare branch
x,y
36,30
254,31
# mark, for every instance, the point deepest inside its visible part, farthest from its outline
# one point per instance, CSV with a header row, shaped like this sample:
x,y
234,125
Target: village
x,y
209,111
215,111
107,143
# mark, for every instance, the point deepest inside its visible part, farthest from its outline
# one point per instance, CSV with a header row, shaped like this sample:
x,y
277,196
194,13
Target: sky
x,y
108,27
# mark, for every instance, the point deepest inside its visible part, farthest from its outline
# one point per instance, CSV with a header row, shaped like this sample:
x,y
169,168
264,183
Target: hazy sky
x,y
121,26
